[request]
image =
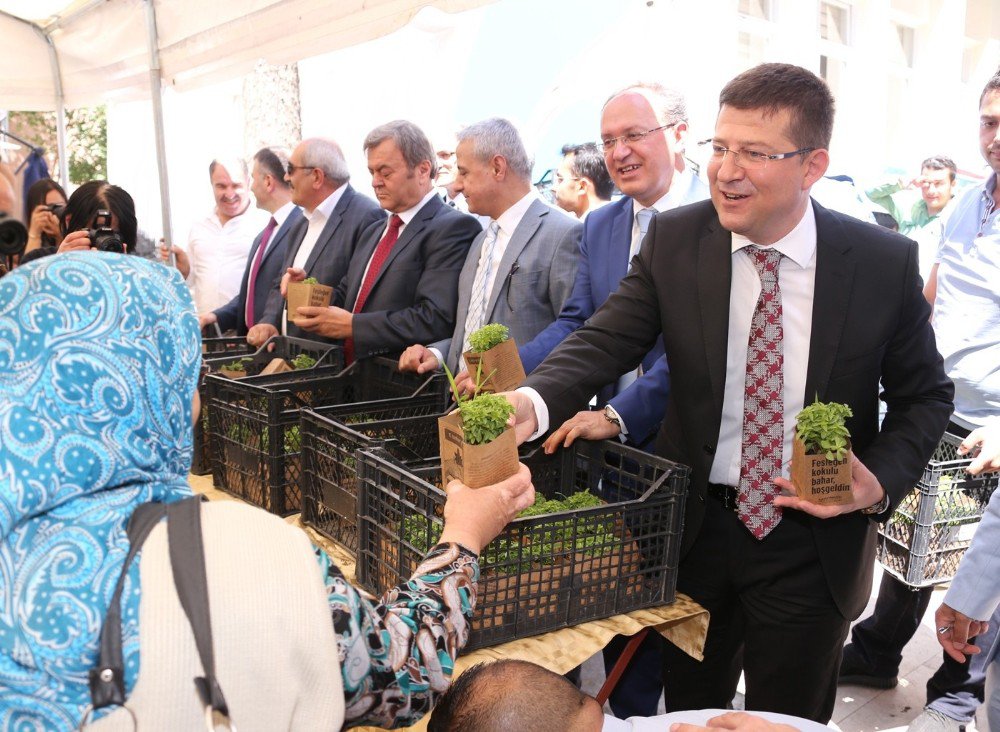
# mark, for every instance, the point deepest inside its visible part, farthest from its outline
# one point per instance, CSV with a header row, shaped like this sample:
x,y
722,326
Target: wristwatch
x,y
877,507
611,415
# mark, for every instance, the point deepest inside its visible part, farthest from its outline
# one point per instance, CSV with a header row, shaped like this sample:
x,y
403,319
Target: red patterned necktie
x,y
255,268
763,402
374,267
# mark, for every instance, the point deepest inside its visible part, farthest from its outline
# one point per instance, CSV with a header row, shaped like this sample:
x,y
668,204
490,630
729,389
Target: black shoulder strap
x,y
187,558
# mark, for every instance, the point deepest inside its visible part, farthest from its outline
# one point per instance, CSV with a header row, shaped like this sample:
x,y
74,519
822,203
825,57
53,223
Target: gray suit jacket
x,y
329,259
535,277
975,591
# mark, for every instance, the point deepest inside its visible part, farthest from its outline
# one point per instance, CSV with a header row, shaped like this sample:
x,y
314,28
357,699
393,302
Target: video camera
x,y
103,237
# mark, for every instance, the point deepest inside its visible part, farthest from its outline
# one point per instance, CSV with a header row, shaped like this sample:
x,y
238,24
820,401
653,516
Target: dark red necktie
x,y
255,268
763,402
374,267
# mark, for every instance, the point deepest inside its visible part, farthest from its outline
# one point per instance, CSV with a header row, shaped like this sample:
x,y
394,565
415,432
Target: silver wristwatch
x,y
612,416
877,507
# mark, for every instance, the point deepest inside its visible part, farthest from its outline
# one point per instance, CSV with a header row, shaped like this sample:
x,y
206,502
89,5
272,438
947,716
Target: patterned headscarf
x,y
99,358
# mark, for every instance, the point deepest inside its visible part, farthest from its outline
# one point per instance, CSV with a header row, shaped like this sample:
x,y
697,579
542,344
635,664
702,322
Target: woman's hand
x,y
43,221
75,241
473,517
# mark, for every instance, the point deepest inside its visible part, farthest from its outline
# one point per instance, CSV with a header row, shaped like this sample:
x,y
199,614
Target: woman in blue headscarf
x,y
99,359
99,356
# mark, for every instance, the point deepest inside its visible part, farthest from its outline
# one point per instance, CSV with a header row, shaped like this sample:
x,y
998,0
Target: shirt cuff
x,y
437,355
623,435
541,411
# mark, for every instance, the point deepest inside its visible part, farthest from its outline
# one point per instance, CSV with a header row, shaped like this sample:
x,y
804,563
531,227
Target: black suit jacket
x,y
233,314
870,323
329,259
415,294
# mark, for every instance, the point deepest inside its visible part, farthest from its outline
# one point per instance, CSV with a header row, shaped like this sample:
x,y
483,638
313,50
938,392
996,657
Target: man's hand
x,y
465,384
583,426
75,241
418,359
257,335
864,487
207,319
524,420
954,631
741,721
292,274
988,440
181,259
331,322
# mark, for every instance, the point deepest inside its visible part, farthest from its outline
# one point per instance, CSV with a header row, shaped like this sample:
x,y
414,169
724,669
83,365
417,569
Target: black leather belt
x,y
725,494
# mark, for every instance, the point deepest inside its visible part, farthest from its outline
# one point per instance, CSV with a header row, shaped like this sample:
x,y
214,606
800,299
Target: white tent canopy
x,y
60,54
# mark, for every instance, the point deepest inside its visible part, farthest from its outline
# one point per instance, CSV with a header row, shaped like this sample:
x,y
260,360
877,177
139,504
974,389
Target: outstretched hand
x,y
585,425
865,489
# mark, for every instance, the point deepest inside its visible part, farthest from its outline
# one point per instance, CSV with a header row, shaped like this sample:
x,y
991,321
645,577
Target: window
x,y
834,22
901,51
750,49
755,9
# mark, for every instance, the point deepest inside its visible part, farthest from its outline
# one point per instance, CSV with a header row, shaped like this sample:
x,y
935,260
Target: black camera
x,y
103,237
13,236
58,209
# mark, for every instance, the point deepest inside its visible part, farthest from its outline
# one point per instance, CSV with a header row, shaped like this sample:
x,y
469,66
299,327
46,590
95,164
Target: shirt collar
x,y
326,206
283,213
674,196
511,218
408,214
799,244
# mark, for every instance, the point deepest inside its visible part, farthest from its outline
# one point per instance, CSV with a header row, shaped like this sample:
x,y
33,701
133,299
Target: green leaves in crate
x,y
239,364
822,428
488,336
303,361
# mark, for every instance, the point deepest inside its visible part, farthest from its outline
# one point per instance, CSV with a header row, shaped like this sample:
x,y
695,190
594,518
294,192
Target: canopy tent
x,y
60,54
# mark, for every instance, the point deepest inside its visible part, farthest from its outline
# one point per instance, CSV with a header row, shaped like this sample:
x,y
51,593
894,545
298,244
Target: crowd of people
x,y
689,318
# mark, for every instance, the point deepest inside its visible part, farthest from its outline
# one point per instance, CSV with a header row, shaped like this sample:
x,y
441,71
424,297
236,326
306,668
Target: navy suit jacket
x,y
233,313
329,259
604,248
415,294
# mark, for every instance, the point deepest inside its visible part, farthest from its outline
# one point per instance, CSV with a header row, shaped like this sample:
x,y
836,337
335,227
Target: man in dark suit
x,y
264,265
321,245
401,286
521,269
765,301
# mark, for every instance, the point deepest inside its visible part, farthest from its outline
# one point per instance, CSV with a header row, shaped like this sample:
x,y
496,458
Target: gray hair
x,y
410,139
497,136
668,104
325,154
233,165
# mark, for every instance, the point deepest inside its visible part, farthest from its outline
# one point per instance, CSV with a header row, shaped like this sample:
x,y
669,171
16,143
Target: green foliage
x,y
822,428
484,418
488,336
293,439
303,361
86,140
590,538
239,364
310,281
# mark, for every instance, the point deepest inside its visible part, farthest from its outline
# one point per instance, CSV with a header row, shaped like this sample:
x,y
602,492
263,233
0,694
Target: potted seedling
x,y
492,350
308,292
821,454
236,369
477,446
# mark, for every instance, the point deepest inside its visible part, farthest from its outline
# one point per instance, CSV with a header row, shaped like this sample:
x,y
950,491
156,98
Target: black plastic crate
x,y
543,572
328,356
218,347
927,535
254,425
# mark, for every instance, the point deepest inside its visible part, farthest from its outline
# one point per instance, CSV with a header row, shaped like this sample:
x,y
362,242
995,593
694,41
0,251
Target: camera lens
x,y
13,235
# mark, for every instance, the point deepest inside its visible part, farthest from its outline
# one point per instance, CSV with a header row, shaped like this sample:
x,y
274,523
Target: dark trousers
x,y
955,689
637,693
772,616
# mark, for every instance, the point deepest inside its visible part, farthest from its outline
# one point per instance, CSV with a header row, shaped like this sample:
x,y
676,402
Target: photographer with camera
x,y
99,216
43,209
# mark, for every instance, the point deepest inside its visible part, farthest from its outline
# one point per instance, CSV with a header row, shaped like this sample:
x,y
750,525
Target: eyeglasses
x,y
630,138
750,158
292,167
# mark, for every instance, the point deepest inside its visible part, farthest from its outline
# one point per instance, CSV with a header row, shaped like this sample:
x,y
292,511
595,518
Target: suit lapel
x,y
326,236
523,233
417,224
714,282
283,231
831,295
618,247
465,281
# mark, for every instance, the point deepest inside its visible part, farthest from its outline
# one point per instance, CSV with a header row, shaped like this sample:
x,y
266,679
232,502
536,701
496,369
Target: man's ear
x,y
817,162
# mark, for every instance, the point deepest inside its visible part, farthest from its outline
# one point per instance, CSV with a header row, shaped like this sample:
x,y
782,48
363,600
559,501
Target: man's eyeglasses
x,y
292,167
630,138
746,158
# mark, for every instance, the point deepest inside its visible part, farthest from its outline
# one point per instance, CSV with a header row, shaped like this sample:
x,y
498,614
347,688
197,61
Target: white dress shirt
x,y
797,281
317,219
218,256
280,216
673,198
700,717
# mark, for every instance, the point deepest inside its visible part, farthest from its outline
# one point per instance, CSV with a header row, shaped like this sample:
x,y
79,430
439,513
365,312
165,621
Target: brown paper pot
x,y
818,480
303,295
276,366
475,465
501,364
232,374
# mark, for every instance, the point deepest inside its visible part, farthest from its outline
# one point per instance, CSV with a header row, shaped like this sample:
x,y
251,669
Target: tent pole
x,y
60,111
156,96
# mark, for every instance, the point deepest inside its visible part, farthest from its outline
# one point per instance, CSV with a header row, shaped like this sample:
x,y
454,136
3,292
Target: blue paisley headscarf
x,y
99,357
